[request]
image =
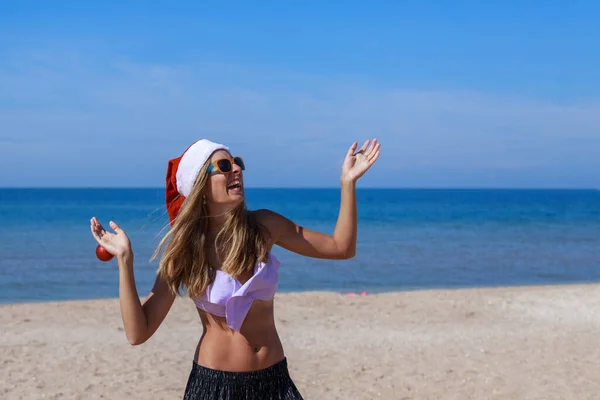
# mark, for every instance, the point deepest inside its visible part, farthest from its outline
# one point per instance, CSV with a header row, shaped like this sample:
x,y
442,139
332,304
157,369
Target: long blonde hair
x,y
184,264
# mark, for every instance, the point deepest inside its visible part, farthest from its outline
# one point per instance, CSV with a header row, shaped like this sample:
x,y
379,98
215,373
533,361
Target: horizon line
x,y
306,188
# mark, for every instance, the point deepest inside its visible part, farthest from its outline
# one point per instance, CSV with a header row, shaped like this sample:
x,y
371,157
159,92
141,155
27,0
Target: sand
x,y
500,343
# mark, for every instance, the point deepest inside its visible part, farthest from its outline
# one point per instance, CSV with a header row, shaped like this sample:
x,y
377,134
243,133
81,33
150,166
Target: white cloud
x,y
144,114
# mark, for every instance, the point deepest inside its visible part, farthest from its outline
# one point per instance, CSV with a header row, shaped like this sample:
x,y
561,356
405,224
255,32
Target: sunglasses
x,y
225,165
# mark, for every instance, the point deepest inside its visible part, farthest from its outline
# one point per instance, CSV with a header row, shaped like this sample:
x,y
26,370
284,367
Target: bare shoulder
x,y
271,221
266,216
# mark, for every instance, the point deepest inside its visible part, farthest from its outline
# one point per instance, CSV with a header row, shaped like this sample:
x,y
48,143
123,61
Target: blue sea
x,y
408,239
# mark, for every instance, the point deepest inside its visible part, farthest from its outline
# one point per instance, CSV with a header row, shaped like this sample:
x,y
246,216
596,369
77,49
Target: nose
x,y
236,169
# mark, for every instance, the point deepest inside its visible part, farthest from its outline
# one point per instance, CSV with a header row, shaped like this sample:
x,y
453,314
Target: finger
x,y
374,157
372,151
98,227
372,148
96,232
351,150
115,227
364,147
93,225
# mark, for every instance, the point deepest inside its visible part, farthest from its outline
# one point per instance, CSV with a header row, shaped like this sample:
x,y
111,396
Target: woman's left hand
x,y
356,164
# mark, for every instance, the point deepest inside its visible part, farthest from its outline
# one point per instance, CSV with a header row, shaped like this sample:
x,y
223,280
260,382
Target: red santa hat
x,y
183,171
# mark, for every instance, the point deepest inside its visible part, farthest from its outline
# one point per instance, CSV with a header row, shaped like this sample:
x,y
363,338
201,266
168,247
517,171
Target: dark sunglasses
x,y
225,166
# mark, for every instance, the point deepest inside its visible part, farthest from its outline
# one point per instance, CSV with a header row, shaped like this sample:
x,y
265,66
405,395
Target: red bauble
x,y
103,254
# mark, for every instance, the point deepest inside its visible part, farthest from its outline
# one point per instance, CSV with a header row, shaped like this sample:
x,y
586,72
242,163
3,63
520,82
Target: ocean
x,y
408,239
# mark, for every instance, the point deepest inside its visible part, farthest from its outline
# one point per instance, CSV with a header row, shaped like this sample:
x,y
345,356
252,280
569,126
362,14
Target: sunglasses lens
x,y
224,165
240,162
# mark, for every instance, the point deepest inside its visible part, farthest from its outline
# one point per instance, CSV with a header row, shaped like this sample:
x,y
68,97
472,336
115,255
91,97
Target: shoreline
x,y
524,286
517,342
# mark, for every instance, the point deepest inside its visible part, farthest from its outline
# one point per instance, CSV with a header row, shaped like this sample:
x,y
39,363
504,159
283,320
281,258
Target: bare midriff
x,y
255,346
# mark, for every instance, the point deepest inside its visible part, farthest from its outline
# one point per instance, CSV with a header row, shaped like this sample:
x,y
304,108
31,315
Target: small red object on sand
x,y
363,294
103,254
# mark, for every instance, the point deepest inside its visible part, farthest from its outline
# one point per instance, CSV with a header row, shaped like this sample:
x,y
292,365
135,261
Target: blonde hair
x,y
184,264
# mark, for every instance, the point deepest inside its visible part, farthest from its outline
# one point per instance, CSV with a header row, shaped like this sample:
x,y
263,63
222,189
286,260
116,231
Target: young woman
x,y
220,253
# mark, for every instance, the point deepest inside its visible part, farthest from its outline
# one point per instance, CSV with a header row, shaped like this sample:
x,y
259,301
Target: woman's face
x,y
225,183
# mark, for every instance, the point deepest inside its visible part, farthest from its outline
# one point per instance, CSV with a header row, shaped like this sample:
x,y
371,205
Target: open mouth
x,y
235,186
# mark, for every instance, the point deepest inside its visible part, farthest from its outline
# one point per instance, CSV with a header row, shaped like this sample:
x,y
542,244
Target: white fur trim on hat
x,y
192,160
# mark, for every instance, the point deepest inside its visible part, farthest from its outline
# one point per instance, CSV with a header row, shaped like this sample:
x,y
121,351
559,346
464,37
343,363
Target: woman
x,y
221,254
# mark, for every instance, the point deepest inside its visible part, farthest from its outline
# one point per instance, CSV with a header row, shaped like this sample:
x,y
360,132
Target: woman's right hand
x,y
117,243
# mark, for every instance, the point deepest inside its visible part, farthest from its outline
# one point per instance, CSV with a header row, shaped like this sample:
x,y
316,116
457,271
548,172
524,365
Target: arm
x,y
342,244
293,237
141,320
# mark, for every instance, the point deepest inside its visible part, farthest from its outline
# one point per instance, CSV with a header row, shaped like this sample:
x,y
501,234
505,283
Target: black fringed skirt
x,y
272,383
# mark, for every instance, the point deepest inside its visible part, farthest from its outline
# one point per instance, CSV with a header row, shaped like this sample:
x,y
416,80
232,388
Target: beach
x,y
487,343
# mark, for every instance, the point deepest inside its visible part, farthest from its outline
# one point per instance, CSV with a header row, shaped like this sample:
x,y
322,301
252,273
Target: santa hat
x,y
183,171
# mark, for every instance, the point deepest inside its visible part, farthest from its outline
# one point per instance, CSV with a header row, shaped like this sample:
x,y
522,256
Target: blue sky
x,y
461,94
